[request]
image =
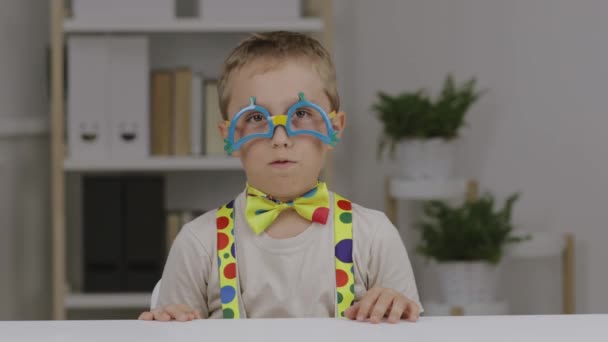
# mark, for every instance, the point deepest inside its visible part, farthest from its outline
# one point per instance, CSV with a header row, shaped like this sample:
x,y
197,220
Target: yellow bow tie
x,y
261,210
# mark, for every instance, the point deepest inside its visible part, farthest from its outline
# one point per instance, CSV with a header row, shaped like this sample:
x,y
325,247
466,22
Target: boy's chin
x,y
286,185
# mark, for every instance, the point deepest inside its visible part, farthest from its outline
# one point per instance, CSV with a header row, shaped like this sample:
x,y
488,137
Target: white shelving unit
x,y
61,27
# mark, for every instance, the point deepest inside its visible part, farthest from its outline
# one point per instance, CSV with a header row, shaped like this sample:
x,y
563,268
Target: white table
x,y
449,329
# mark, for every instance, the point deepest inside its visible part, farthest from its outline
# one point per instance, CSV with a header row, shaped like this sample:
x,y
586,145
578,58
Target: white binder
x,y
88,124
128,88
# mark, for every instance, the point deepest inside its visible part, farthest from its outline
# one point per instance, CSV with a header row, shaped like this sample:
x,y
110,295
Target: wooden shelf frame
x,y
320,27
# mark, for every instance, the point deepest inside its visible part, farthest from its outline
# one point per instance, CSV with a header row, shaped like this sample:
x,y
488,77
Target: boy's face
x,y
282,166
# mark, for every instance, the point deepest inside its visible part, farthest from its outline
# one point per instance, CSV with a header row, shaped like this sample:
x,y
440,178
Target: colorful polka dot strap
x,y
343,241
343,238
261,210
226,260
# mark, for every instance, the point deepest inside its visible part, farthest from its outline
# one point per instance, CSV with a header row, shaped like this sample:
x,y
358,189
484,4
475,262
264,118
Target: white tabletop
x,y
449,329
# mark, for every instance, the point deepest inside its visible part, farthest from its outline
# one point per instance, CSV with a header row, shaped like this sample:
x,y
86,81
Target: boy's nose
x,y
280,137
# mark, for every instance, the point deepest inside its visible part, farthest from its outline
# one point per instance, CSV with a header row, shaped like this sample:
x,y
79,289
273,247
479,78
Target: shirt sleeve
x,y
389,264
185,276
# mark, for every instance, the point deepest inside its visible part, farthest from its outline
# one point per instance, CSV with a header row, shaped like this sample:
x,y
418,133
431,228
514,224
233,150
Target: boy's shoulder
x,y
369,220
202,228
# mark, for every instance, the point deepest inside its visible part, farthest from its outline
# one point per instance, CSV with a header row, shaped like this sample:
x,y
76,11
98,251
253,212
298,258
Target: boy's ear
x,y
223,128
339,122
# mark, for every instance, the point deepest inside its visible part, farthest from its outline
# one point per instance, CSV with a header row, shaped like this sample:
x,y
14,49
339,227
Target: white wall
x,y
24,179
540,129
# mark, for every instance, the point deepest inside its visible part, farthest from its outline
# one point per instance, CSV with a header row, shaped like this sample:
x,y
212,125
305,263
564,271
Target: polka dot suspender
x,y
343,241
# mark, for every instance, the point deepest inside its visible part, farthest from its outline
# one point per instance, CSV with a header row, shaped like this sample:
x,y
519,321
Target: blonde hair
x,y
278,46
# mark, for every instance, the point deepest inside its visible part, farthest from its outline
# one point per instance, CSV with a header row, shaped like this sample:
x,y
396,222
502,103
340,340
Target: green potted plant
x,y
423,129
468,243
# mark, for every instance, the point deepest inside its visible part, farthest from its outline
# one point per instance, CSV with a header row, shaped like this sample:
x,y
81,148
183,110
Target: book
x,y
182,111
196,117
214,143
161,109
176,219
174,225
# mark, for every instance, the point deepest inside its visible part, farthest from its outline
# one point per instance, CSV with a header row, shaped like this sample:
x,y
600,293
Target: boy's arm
x,y
184,279
389,264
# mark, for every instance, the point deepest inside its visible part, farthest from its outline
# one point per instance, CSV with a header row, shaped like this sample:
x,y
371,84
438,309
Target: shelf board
x,y
427,189
156,164
190,25
107,300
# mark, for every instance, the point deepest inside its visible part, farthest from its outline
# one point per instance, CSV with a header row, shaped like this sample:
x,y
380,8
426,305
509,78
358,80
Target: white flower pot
x,y
431,159
463,283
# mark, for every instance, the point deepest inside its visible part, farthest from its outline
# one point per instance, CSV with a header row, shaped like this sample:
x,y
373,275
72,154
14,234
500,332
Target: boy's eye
x,y
301,113
255,117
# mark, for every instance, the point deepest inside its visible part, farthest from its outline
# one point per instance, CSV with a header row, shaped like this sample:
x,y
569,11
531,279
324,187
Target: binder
x,y
88,99
144,230
129,97
102,234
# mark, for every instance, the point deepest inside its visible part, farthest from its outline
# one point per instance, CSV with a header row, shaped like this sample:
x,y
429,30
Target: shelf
x,y
190,25
107,300
427,189
157,164
23,126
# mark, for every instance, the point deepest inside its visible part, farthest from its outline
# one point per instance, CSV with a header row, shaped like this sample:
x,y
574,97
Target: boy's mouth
x,y
282,163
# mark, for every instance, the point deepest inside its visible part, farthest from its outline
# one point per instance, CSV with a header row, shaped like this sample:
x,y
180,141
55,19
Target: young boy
x,y
302,251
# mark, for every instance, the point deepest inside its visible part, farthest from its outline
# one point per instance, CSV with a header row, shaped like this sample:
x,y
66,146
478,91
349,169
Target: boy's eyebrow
x,y
286,107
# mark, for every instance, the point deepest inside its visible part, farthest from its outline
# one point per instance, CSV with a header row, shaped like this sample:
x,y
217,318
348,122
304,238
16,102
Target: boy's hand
x,y
380,302
178,312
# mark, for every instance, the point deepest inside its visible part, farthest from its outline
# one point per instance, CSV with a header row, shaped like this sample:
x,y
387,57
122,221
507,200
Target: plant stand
x,y
401,189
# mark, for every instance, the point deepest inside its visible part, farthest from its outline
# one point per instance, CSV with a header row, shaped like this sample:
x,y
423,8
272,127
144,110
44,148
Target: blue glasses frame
x,y
279,120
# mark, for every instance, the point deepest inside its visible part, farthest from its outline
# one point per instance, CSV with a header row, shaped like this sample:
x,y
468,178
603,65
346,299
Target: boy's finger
x,y
178,313
366,304
412,312
381,307
351,313
161,315
197,314
146,316
398,310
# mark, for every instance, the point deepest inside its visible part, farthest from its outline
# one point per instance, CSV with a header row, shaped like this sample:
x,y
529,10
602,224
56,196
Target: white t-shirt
x,y
292,277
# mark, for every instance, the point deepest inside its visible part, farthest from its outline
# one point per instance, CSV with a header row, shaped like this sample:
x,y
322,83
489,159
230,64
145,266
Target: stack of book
x,y
184,114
